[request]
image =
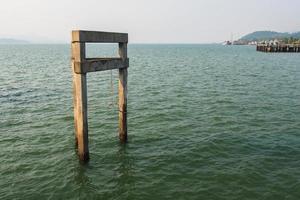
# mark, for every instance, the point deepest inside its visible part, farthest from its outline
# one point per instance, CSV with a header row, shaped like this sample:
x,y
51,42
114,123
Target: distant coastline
x,y
258,37
13,41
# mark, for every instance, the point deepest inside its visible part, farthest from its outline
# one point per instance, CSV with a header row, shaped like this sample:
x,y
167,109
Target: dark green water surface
x,y
204,122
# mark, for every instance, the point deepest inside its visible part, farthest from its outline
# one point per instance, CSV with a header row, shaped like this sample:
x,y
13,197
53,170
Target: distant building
x,y
252,43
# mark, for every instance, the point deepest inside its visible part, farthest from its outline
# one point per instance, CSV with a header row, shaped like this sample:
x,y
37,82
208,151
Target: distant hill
x,y
267,35
12,41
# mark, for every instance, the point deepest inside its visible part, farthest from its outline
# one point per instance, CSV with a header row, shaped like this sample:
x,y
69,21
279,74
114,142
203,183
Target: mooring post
x,y
80,102
123,95
81,66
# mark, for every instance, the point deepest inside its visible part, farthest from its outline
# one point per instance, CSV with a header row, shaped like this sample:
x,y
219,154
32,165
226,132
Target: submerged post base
x,y
84,157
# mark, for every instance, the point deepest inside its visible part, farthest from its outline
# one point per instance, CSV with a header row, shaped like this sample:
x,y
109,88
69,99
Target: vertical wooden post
x,y
81,66
80,102
123,95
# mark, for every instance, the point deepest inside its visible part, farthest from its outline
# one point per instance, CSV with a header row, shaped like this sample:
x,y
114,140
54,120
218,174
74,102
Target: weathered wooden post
x,y
81,66
123,94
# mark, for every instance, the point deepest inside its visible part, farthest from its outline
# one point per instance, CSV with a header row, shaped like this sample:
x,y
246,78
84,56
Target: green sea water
x,y
204,122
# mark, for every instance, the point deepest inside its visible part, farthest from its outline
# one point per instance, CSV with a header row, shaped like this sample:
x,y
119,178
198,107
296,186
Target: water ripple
x,y
205,122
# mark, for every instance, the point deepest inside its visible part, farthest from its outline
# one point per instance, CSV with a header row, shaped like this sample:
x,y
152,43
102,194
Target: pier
x,y
81,66
288,48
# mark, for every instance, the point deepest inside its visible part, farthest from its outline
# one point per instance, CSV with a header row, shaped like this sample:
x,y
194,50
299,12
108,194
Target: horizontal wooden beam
x,y
99,37
99,64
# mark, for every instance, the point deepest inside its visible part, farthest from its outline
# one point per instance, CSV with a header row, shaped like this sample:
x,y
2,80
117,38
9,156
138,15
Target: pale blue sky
x,y
147,21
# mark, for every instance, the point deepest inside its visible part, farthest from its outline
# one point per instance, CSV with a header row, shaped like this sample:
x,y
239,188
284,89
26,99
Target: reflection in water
x,y
84,184
125,171
90,177
80,178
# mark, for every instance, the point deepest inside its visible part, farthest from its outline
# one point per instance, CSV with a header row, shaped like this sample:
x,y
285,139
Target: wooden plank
x,y
80,115
80,104
99,64
98,37
78,51
77,54
123,74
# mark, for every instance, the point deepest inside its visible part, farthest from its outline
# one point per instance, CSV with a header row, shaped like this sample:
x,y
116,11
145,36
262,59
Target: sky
x,y
147,21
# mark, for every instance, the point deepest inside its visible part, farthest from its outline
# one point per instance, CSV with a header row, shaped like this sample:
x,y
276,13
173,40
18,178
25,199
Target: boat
x,y
227,43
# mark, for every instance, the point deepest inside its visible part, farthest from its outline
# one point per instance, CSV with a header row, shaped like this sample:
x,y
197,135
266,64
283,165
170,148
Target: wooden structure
x,y
81,66
278,48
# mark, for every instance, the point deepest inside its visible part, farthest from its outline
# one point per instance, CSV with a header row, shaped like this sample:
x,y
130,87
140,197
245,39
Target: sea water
x,y
204,122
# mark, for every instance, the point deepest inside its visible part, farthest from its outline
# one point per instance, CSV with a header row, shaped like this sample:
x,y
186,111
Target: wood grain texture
x,y
98,37
78,51
80,103
80,115
99,64
123,74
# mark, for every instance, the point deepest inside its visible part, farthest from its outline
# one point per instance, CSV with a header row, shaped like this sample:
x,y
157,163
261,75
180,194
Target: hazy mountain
x,y
12,41
267,35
